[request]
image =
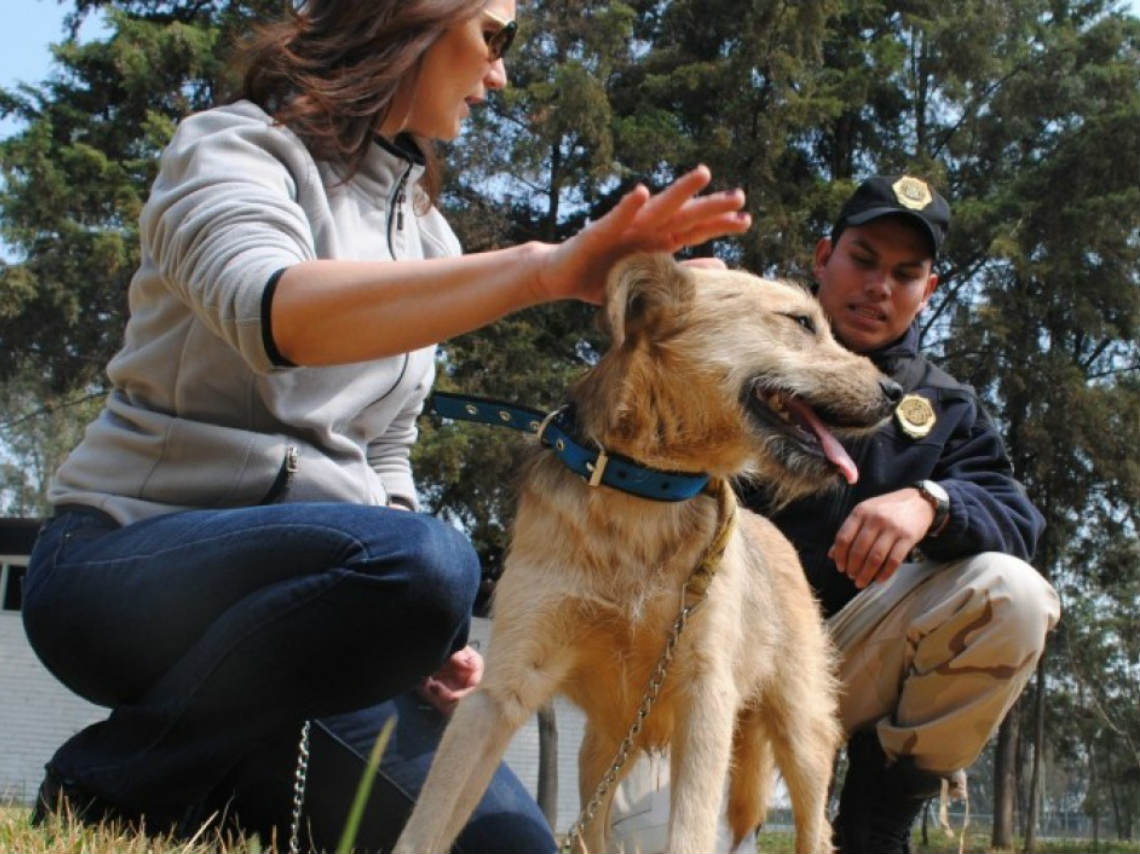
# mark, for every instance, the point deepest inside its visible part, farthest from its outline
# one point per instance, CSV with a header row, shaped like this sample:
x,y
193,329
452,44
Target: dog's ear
x,y
641,291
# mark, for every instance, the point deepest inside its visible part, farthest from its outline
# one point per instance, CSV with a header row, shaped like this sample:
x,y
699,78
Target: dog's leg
x,y
751,775
806,736
594,757
474,742
472,746
702,745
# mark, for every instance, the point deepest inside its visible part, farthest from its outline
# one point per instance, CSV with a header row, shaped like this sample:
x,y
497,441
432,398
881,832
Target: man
x,y
921,564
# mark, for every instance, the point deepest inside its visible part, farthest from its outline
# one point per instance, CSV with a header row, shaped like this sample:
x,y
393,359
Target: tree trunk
x,y
548,763
550,221
1005,780
1094,794
1020,763
1038,761
1117,818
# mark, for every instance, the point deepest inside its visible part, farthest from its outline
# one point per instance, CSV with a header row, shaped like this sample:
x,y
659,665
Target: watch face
x,y
936,491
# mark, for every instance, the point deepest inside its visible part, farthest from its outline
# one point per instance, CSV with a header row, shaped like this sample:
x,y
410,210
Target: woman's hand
x,y
458,677
667,222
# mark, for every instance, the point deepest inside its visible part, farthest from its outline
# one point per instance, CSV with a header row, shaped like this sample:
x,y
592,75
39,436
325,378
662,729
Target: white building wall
x,y
37,714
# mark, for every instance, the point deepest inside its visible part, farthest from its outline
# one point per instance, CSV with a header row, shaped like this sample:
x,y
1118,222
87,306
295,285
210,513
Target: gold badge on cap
x,y
912,193
915,416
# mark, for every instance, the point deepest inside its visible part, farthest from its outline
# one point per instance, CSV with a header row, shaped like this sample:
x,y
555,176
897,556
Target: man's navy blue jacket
x,y
989,510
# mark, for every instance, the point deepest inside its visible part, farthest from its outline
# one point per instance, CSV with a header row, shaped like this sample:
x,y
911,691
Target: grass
x,y
65,835
783,842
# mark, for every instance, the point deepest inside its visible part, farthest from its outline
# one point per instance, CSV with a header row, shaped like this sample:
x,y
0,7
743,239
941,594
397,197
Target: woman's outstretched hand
x,y
336,311
669,221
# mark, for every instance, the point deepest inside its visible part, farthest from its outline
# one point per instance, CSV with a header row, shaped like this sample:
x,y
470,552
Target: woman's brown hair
x,y
329,69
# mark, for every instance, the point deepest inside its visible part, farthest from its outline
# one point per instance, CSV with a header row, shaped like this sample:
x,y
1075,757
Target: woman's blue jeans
x,y
212,634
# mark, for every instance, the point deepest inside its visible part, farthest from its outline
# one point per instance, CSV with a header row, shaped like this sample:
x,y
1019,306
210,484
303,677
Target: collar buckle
x,y
598,468
540,430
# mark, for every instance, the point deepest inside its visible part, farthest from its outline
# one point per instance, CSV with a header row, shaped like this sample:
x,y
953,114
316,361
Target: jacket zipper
x,y
284,477
396,206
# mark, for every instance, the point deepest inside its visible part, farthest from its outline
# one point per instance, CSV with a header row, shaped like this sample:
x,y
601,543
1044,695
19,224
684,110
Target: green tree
x,y
75,179
37,430
1057,291
735,86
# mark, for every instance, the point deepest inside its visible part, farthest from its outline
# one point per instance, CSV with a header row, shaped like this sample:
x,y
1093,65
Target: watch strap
x,y
940,505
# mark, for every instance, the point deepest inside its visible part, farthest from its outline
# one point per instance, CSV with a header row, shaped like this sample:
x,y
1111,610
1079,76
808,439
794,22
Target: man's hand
x,y
878,535
458,677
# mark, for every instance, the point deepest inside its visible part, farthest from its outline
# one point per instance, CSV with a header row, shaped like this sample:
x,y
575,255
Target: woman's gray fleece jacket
x,y
200,415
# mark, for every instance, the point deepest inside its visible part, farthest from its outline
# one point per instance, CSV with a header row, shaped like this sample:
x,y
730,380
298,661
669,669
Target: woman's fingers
x,y
621,216
640,222
735,222
674,217
700,210
669,201
704,262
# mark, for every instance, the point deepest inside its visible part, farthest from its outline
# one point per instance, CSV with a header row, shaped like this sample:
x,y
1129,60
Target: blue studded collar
x,y
556,430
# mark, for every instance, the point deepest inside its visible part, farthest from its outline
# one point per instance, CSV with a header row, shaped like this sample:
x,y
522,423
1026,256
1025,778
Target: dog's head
x,y
722,371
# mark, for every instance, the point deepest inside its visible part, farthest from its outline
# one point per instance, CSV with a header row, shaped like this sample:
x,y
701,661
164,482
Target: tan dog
x,y
709,371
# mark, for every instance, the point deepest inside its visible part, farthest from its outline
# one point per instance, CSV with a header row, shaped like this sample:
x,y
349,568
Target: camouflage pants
x,y
935,656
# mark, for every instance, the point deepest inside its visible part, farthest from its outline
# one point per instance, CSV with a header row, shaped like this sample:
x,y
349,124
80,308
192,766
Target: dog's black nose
x,y
892,390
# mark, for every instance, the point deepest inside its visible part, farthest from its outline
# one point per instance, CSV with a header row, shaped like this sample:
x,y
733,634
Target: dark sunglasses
x,y
499,42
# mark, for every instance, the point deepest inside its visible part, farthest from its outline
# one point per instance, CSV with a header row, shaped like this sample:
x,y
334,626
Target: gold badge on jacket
x,y
915,415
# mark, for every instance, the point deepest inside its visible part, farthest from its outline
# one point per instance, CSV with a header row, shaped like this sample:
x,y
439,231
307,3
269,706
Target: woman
x,y
231,552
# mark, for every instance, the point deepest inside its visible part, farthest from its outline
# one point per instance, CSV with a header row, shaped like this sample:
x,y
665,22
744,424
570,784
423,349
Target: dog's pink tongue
x,y
831,447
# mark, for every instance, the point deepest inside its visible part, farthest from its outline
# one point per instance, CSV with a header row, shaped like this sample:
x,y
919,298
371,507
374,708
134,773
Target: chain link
x,y
693,594
300,779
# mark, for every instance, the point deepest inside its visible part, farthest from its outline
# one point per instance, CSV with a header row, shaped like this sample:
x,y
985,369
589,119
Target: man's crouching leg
x,y
932,660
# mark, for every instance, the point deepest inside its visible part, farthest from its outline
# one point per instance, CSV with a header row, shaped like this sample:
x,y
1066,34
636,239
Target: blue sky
x,y
30,27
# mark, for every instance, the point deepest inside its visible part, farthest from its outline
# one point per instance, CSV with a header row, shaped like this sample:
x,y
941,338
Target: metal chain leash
x,y
693,594
300,779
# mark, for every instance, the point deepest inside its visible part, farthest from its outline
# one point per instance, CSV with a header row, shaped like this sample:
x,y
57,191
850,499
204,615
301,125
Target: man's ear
x,y
640,290
928,289
823,250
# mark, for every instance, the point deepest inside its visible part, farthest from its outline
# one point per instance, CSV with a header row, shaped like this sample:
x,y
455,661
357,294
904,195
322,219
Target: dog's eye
x,y
805,321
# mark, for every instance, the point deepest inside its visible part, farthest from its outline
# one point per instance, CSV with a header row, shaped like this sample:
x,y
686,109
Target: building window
x,y
11,587
17,536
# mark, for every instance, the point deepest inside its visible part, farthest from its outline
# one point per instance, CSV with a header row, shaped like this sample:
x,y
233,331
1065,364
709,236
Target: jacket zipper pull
x,y
291,462
400,211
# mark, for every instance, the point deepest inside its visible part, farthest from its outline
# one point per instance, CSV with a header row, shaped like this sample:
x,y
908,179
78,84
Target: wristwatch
x,y
937,498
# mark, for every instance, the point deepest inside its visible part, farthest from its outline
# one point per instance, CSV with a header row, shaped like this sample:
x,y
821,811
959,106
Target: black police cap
x,y
894,195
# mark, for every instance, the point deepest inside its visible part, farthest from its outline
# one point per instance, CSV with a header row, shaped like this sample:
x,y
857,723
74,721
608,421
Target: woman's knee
x,y
441,568
442,555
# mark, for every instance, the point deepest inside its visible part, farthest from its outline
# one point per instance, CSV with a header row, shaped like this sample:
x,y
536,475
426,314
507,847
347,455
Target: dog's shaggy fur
x,y
709,370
